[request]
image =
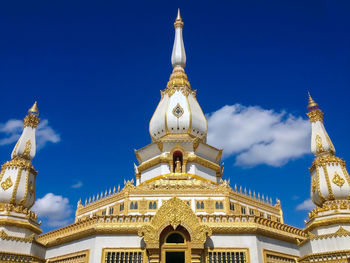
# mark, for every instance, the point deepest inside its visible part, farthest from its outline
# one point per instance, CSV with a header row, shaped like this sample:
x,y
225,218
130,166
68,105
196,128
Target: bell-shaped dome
x,y
178,111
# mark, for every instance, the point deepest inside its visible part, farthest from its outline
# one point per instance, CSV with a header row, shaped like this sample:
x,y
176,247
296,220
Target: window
x,y
251,211
278,220
275,257
243,211
200,205
134,206
111,209
152,205
104,212
123,257
175,238
121,208
269,217
219,205
232,206
262,215
227,256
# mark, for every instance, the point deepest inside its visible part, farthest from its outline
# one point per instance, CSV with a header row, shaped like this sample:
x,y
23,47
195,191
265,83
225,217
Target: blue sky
x,y
96,68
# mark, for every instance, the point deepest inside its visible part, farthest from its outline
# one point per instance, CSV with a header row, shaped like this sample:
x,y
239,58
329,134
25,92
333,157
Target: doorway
x,y
175,257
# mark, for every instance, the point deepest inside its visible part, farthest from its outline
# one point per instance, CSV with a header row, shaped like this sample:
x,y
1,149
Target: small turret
x,y
329,177
17,178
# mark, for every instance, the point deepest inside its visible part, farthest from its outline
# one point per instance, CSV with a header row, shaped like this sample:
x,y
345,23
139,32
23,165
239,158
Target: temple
x,y
179,207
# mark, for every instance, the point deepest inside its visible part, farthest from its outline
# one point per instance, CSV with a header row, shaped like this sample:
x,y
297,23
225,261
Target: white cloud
x,y
306,205
55,208
77,185
258,136
12,129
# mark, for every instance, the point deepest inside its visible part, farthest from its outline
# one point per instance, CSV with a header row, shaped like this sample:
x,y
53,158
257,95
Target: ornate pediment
x,y
175,212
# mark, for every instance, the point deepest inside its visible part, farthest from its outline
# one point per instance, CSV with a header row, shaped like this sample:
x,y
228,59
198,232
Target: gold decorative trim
x,y
31,121
175,212
7,183
5,236
10,257
341,232
125,250
330,191
21,224
326,257
178,111
82,256
19,163
315,115
338,180
282,256
14,192
26,189
311,225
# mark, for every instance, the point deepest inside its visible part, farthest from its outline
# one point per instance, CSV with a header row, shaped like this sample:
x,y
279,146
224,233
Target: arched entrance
x,y
175,219
175,245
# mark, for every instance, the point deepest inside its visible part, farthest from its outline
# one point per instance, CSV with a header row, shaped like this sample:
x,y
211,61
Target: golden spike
x,y
311,104
178,21
178,18
113,189
34,109
240,189
85,201
106,193
235,188
254,194
89,199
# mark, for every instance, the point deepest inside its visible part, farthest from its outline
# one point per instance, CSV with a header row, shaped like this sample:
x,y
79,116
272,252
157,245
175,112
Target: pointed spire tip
x,y
34,109
311,103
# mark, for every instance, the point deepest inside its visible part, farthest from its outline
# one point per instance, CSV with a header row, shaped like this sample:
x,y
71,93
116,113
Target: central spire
x,y
178,56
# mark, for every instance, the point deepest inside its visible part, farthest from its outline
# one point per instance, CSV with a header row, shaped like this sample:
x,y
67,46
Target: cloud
x,y
77,185
54,208
12,129
258,136
306,205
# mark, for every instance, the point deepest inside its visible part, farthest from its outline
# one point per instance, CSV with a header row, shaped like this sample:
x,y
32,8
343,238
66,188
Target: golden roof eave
x,y
98,225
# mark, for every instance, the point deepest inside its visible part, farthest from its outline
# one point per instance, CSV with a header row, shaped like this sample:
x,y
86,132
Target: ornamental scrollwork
x,y
338,180
175,212
7,183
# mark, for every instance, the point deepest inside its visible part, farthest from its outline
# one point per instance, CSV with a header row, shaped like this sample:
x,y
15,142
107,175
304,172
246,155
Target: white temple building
x,y
179,208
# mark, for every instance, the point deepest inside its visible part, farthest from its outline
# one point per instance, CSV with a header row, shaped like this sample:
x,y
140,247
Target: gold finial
x,y
312,104
178,21
34,109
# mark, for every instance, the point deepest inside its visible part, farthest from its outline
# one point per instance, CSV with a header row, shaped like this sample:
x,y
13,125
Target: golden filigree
x,y
315,115
338,180
7,183
313,184
175,212
31,188
27,148
31,121
178,111
319,145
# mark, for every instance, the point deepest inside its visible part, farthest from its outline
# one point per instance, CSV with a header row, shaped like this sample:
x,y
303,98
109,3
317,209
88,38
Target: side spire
x,y
26,145
321,144
178,56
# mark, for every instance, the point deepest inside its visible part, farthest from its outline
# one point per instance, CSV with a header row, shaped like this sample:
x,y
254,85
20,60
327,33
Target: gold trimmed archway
x,y
175,212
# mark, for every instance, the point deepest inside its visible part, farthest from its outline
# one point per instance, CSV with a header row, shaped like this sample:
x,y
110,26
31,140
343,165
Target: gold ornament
x,y
178,111
319,146
27,148
7,183
315,115
338,180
